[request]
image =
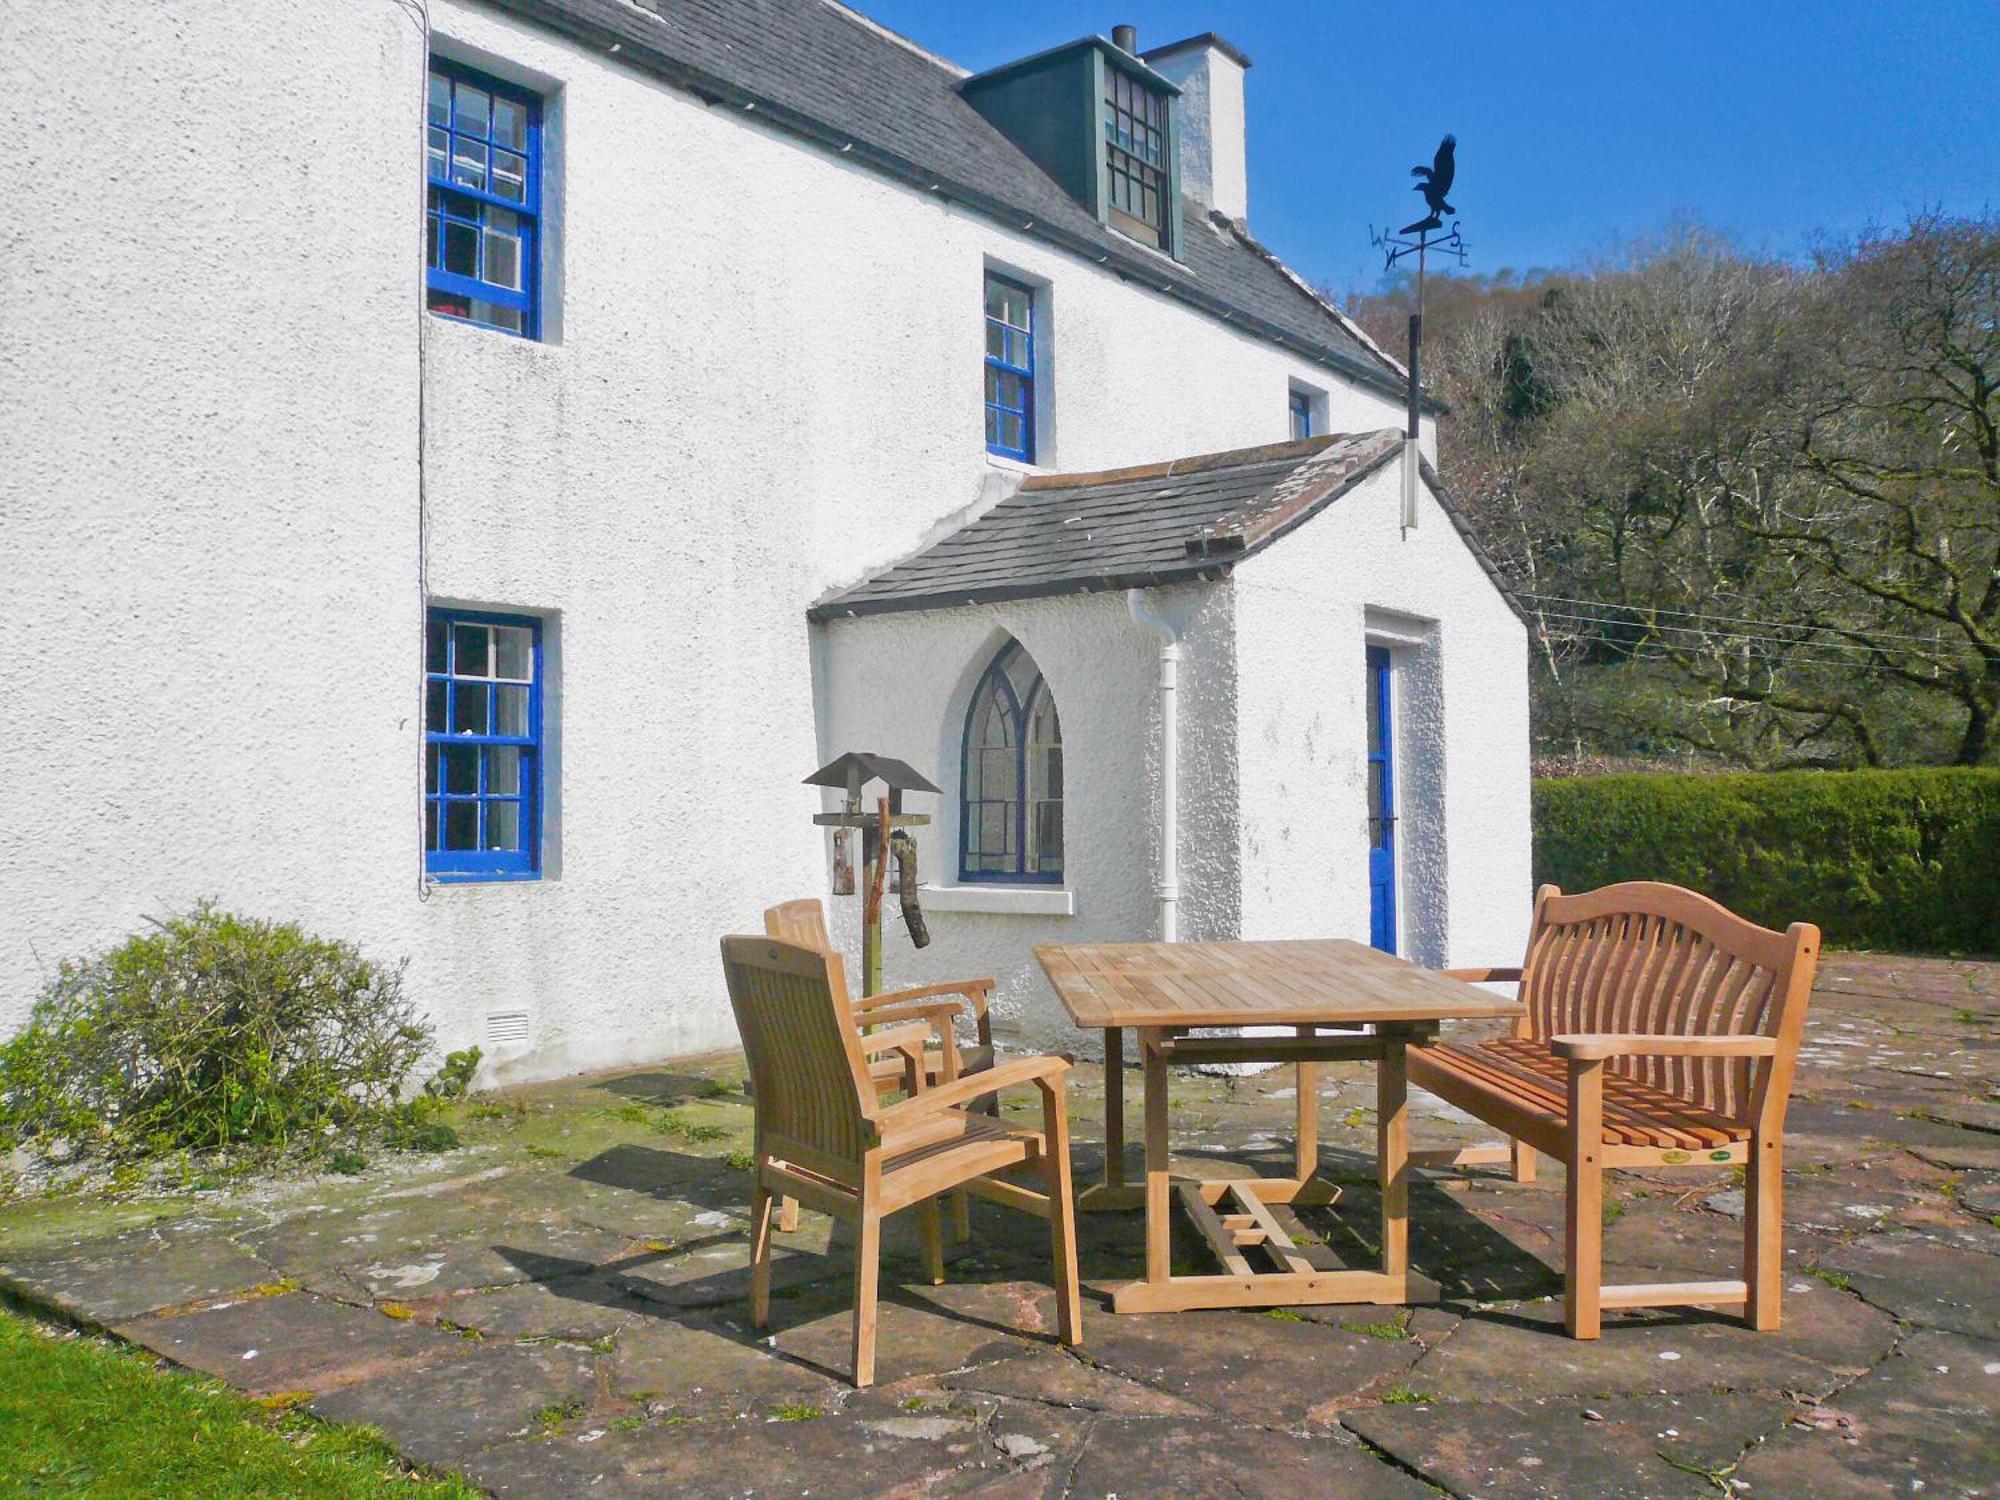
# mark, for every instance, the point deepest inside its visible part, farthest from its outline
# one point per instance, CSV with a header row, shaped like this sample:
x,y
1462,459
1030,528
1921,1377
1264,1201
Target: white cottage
x,y
465,462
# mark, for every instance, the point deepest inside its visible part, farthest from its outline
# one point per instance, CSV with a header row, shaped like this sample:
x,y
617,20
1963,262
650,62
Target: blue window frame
x,y
1381,802
1302,414
482,745
1010,825
482,219
1010,369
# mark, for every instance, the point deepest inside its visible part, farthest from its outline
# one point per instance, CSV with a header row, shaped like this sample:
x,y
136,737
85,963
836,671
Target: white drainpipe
x,y
1169,889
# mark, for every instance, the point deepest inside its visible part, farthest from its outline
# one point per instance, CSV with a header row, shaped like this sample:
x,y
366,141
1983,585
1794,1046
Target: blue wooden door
x,y
1381,805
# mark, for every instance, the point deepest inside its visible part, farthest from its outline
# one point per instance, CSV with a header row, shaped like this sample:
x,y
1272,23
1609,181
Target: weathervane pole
x,y
1433,181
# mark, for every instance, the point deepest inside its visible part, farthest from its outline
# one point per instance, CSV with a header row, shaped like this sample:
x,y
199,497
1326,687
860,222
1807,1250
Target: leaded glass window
x,y
1011,790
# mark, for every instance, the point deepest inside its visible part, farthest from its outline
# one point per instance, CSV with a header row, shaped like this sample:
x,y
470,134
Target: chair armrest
x,y
940,1013
972,989
1484,976
1587,1046
896,1039
1037,1070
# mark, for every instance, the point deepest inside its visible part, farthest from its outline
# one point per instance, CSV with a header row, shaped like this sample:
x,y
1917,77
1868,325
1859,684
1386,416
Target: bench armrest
x,y
1037,1070
1587,1046
1484,976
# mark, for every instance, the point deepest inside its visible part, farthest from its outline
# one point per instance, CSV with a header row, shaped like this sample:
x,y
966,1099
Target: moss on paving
x,y
86,1417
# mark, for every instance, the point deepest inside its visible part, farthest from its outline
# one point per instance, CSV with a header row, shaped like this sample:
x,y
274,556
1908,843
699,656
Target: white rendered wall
x,y
1303,614
764,381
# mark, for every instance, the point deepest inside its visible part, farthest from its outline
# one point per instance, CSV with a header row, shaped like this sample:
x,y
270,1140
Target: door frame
x,y
1390,667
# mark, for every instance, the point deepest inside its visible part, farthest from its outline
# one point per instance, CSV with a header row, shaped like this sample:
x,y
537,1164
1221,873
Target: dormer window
x,y
1135,158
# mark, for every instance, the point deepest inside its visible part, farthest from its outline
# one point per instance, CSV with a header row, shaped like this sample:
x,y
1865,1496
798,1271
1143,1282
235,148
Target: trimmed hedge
x,y
1903,861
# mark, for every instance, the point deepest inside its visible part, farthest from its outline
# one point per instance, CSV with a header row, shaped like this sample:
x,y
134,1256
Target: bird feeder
x,y
884,834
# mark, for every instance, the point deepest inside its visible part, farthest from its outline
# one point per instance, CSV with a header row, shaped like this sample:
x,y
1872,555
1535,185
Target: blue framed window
x,y
482,745
1010,824
1010,369
1302,414
482,220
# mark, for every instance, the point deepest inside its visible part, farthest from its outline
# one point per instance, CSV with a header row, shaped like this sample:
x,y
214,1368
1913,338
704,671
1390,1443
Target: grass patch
x,y
799,1413
83,1416
742,1161
1832,1278
681,1128
1394,1331
1407,1395
1355,1118
715,1088
551,1417
1282,1315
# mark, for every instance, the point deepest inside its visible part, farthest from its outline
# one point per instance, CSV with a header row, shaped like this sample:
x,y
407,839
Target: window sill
x,y
1014,465
1002,900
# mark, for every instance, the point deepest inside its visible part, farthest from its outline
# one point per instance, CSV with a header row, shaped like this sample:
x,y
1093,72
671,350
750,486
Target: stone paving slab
x,y
592,1234
1558,1447
110,1281
1926,1420
444,1416
293,1342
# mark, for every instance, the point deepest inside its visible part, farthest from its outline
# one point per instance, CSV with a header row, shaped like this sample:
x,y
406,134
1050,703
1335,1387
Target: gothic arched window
x,y
1011,782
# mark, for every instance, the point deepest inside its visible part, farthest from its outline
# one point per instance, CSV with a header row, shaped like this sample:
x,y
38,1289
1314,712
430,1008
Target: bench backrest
x,y
1647,957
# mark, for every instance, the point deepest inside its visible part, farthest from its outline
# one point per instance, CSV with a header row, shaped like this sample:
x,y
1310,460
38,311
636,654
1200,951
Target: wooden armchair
x,y
1661,1030
824,1136
938,1005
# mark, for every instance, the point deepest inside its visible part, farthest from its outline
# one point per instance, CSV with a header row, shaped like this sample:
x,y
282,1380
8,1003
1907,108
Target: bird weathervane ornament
x,y
1434,182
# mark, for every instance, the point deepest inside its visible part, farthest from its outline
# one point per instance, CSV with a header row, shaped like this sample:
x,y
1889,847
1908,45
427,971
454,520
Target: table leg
x,y
1159,1228
1114,1107
1308,1116
1392,1152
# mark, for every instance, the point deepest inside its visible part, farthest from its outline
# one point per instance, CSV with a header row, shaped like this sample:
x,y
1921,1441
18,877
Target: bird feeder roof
x,y
899,775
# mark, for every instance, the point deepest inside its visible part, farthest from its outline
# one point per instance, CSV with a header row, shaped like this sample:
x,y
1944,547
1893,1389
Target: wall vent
x,y
507,1028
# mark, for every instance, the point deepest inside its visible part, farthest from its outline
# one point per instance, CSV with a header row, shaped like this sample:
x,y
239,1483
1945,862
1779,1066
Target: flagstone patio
x,y
558,1308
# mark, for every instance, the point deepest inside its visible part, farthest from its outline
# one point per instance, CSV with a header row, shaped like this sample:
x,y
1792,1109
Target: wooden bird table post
x,y
879,825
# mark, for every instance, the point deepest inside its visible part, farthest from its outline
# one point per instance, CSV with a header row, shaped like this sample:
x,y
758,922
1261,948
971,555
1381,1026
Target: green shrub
x,y
1907,861
210,1032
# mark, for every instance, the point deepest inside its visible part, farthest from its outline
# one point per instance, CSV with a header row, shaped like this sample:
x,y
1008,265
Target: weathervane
x,y
1433,181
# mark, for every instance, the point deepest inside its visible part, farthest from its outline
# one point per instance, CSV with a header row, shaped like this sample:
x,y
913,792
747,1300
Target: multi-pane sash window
x,y
482,745
483,143
1135,153
1011,787
1302,414
1010,369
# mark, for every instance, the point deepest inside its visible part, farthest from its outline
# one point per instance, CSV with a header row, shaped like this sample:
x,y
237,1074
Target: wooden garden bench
x,y
1660,1030
825,1135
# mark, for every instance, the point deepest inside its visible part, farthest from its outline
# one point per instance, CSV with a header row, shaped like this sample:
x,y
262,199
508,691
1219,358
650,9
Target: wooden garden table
x,y
1343,1001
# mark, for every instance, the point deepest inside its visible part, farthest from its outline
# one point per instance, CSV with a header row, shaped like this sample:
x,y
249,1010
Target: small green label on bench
x,y
1718,1156
1673,1157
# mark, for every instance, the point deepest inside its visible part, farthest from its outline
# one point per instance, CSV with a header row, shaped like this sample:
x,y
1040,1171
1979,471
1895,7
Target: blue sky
x,y
1580,125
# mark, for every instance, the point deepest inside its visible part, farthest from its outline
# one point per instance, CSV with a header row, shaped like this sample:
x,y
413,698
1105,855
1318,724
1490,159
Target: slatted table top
x,y
1324,981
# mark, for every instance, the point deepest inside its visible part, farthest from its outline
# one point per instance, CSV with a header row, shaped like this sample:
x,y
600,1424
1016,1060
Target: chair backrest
x,y
1648,957
814,1098
802,922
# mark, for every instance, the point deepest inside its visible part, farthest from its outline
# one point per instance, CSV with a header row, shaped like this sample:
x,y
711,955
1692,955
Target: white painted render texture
x,y
761,380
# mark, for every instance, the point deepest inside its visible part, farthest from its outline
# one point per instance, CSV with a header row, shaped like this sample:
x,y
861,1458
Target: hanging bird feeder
x,y
884,834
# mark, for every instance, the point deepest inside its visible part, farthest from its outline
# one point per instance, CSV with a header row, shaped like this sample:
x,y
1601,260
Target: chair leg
x,y
760,1253
1524,1162
933,1236
788,1215
961,1216
1763,1233
867,1272
1062,1213
1583,1239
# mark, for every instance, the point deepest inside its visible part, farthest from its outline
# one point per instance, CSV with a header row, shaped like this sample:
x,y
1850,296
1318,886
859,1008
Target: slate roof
x,y
821,72
1175,522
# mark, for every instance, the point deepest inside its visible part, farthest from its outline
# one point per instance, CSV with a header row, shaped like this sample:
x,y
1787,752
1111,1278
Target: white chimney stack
x,y
1209,73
